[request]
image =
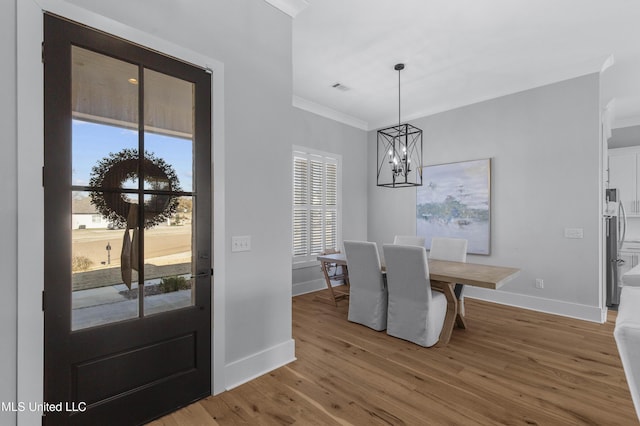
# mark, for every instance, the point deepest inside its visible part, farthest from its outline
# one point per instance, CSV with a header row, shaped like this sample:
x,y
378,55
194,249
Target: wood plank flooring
x,y
511,366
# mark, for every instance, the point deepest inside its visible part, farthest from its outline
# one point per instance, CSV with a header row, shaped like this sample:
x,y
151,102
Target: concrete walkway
x,y
104,305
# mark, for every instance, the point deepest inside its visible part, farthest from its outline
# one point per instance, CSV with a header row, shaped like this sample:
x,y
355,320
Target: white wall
x,y
313,131
8,211
544,146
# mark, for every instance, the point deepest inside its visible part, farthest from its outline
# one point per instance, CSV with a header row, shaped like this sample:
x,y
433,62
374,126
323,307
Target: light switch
x,y
241,243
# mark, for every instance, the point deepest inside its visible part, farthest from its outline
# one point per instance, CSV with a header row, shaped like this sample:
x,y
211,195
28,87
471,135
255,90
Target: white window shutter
x,y
331,185
331,229
300,181
300,232
316,187
316,233
315,204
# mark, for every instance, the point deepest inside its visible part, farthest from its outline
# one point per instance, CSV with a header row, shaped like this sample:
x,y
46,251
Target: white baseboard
x,y
311,286
550,306
307,287
246,369
556,307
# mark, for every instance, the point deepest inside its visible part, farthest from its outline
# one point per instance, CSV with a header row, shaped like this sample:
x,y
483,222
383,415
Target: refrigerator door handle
x,y
623,222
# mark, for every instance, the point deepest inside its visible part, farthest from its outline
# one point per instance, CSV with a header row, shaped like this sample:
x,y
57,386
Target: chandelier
x,y
399,152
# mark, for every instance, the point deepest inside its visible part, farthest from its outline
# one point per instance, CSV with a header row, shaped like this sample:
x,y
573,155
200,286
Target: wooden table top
x,y
337,258
486,276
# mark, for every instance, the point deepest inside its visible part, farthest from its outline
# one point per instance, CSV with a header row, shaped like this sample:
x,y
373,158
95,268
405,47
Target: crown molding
x,y
290,7
329,113
608,63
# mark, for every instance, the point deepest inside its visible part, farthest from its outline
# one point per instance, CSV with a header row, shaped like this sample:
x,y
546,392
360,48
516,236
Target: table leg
x,y
345,275
461,322
328,281
453,316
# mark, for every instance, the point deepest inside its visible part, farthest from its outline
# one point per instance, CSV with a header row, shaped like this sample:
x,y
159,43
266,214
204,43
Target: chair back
x,y
367,290
409,240
453,249
415,312
407,272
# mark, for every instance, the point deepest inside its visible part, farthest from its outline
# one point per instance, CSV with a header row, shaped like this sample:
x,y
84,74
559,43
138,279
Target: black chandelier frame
x,y
399,156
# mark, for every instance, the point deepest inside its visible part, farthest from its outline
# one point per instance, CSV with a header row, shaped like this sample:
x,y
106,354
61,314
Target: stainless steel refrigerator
x,y
616,224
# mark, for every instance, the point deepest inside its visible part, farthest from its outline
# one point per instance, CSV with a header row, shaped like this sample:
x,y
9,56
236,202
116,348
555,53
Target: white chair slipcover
x,y
455,250
367,290
409,240
415,312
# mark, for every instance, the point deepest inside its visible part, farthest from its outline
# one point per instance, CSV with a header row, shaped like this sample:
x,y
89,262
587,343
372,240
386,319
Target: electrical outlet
x,y
539,283
241,243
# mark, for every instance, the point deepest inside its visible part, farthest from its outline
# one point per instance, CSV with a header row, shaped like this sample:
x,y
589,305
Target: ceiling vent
x,y
340,86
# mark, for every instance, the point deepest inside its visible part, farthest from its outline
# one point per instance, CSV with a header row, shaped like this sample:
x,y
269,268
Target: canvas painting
x,y
455,202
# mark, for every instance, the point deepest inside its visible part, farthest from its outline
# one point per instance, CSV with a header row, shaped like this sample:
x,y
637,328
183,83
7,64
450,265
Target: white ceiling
x,y
458,52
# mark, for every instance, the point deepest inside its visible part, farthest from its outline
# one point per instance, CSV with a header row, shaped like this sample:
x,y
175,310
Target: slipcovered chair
x,y
409,240
627,335
367,289
415,313
455,250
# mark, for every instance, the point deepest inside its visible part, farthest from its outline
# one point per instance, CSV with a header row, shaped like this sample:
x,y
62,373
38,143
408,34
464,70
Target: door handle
x,y
203,274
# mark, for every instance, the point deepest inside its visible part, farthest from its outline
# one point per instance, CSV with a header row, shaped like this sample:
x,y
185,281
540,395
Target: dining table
x,y
444,275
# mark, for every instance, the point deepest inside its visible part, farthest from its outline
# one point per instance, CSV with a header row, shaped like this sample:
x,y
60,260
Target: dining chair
x,y
409,240
415,312
453,249
367,289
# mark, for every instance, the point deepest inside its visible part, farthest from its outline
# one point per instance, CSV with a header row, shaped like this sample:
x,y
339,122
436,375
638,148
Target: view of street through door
x,y
99,294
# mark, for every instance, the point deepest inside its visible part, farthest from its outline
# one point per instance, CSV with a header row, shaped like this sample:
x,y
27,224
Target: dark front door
x,y
127,302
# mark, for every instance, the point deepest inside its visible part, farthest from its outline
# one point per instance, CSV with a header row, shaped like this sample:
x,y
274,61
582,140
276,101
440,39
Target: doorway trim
x,y
30,123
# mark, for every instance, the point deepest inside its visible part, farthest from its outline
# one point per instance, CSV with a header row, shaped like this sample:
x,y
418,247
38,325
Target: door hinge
x,y
43,176
43,52
44,303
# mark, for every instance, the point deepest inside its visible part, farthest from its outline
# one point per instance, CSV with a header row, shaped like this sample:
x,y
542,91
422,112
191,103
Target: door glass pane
x,y
168,124
99,295
168,261
168,167
104,101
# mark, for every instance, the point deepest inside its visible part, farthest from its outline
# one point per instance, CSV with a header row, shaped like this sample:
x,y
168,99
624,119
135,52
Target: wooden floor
x,y
511,366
